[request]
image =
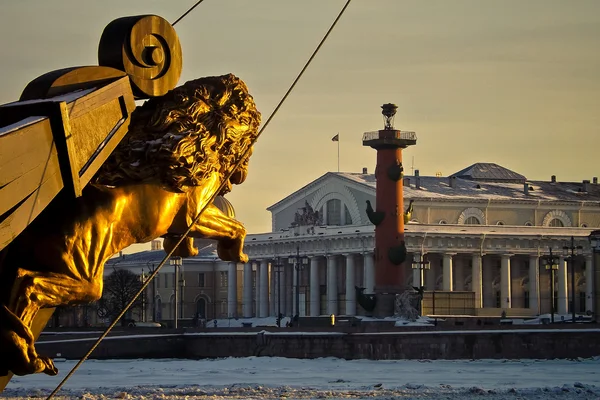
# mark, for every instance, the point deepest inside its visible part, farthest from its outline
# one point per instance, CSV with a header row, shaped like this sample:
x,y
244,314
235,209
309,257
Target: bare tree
x,y
119,288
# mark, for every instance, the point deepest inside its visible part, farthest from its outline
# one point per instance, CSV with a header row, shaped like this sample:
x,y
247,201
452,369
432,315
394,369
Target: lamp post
x,y
176,262
594,239
278,272
143,280
571,252
551,263
299,264
421,262
151,271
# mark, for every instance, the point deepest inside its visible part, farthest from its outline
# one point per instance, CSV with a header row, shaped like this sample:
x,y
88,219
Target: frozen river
x,y
275,378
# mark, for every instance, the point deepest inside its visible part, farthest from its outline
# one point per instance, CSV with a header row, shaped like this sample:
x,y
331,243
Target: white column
x,y
256,294
534,284
264,289
589,283
417,277
505,297
315,289
350,283
447,273
247,308
332,292
232,290
561,283
476,279
369,273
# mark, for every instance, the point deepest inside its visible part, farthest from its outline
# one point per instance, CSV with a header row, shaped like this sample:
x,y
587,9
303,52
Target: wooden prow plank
x,y
39,323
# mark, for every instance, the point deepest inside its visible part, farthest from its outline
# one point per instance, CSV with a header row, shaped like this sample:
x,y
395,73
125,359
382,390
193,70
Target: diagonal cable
x,y
187,12
223,183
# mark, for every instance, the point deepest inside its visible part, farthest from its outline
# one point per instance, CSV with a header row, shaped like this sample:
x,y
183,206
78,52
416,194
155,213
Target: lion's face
x,y
180,139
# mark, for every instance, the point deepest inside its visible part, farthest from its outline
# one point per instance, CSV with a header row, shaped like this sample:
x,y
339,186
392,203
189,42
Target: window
x,y
158,280
224,280
526,299
443,222
499,223
556,223
334,212
201,279
498,299
158,310
201,308
166,281
472,220
528,223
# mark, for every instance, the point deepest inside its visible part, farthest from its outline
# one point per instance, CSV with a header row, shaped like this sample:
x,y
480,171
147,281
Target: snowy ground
x,y
276,378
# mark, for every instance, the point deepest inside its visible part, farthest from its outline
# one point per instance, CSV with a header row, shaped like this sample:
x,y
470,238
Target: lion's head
x,y
178,139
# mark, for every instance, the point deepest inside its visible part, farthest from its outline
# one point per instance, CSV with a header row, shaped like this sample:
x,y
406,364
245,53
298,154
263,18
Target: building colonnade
x,y
327,283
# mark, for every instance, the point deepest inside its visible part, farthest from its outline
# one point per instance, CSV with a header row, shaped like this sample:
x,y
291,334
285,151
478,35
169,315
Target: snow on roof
x,y
438,188
206,251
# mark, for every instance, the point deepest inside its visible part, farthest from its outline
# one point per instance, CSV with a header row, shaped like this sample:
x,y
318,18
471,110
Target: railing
x,y
403,135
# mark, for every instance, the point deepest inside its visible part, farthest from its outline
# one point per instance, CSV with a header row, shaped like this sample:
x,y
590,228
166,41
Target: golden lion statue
x,y
178,151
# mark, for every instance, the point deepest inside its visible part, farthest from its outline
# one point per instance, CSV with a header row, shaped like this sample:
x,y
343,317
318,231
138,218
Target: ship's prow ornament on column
x,y
81,167
388,215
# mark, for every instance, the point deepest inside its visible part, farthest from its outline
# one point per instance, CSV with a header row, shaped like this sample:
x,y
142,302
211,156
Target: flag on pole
x,y
336,138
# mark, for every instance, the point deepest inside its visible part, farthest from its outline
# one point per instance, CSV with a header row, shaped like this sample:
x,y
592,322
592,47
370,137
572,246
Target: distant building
x,y
483,229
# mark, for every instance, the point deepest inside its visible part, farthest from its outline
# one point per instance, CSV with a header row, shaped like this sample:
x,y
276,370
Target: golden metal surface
x,y
178,150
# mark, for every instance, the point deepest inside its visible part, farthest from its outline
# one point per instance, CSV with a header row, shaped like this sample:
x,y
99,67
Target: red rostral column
x,y
388,213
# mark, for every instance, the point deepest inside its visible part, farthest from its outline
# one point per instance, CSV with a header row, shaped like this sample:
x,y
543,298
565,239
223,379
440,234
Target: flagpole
x,y
338,142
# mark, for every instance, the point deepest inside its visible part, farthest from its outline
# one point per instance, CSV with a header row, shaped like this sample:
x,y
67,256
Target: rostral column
x,y
388,214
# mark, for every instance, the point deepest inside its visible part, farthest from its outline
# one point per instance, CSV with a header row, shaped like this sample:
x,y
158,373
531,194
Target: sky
x,y
514,82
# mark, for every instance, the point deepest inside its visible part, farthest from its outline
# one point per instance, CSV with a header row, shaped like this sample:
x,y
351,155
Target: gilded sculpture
x,y
175,156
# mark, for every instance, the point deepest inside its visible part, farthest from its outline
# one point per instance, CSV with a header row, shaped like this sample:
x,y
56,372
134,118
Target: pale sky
x,y
515,82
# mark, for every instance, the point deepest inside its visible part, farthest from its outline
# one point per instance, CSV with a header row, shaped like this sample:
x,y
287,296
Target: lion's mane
x,y
180,138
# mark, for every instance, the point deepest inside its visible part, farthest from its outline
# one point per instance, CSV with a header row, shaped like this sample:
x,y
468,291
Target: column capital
x,y
504,256
449,254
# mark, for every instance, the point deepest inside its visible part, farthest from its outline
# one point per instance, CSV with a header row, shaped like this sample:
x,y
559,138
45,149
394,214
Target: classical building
x,y
485,230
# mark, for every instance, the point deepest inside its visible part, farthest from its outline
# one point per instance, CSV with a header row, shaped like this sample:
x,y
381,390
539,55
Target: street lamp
x,y
570,253
299,264
278,272
143,280
421,262
551,263
594,239
176,262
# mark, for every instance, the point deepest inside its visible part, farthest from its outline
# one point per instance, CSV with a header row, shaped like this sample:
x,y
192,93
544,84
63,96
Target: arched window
x,y
201,308
555,222
472,220
528,223
443,222
557,218
499,223
471,216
